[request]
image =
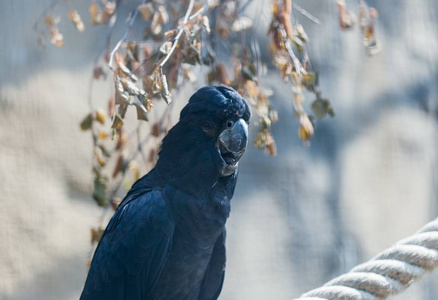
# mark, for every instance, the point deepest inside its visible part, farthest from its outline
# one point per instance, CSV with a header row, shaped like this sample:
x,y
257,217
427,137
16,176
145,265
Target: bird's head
x,y
212,133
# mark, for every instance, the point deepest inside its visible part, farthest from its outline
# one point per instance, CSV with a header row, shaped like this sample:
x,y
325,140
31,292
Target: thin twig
x,y
119,43
305,13
45,13
180,32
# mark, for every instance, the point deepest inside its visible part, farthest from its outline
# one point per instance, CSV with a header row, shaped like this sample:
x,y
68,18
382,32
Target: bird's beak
x,y
233,142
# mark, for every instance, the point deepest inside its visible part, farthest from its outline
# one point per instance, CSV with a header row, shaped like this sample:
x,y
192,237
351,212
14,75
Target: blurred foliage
x,y
177,36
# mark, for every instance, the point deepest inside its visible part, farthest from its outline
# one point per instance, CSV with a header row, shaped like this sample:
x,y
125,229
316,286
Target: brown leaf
x,y
96,234
76,19
155,130
108,11
206,24
122,139
98,72
131,88
165,89
242,23
123,108
86,122
111,106
141,113
117,123
96,14
99,191
100,116
162,16
105,152
49,20
153,156
123,71
102,135
305,132
264,142
121,166
56,37
135,170
115,202
322,107
309,80
121,96
146,10
99,156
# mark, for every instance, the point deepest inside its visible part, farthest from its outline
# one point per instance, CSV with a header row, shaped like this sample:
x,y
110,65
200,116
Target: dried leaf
x,y
141,113
189,75
156,26
122,139
122,110
102,135
100,116
121,96
135,170
117,123
153,156
165,93
209,56
96,14
322,107
146,10
249,73
192,55
56,37
105,152
86,122
115,202
242,23
99,191
301,34
206,24
264,142
155,130
76,19
111,106
99,156
49,20
123,71
165,47
152,85
162,16
169,34
96,234
347,18
121,166
309,80
108,11
306,131
98,72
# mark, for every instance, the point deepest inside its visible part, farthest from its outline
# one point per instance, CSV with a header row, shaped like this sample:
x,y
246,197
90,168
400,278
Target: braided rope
x,y
389,273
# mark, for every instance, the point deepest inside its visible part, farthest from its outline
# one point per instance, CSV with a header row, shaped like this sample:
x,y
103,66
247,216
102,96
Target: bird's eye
x,y
230,124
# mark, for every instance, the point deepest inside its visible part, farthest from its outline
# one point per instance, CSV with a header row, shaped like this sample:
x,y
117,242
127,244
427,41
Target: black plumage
x,y
167,238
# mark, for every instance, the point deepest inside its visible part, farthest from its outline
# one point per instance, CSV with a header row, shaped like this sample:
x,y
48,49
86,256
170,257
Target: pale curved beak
x,y
235,139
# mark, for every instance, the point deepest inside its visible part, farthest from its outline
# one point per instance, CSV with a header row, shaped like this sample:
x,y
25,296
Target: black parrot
x,y
167,238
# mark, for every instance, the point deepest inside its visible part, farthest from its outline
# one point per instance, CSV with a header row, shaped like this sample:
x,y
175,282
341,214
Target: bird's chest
x,y
197,229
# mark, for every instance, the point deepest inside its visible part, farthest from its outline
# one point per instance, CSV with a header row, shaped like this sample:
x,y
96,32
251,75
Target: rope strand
x,y
389,273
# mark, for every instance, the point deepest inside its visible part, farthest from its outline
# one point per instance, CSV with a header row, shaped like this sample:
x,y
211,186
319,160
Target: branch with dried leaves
x,y
177,36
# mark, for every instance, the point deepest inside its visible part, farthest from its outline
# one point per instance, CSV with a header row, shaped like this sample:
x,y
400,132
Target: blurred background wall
x,y
298,219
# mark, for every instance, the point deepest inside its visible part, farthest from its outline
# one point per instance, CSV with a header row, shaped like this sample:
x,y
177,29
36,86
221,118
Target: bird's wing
x,y
214,277
132,251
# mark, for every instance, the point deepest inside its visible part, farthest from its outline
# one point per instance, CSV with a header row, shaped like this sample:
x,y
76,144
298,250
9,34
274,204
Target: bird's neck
x,y
187,159
192,175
